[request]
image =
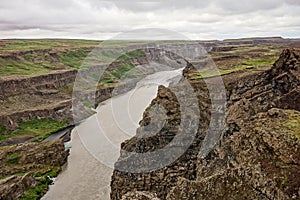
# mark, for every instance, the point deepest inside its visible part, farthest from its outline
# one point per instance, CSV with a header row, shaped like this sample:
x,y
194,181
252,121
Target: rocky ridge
x,y
22,166
258,156
50,96
25,166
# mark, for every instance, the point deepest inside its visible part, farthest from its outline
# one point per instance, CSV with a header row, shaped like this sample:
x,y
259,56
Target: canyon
x,y
257,154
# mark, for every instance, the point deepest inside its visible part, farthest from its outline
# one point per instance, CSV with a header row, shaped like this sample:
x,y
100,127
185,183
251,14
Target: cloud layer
x,y
94,19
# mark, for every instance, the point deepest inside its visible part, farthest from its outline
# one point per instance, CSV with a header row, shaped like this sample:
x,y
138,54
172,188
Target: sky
x,y
103,20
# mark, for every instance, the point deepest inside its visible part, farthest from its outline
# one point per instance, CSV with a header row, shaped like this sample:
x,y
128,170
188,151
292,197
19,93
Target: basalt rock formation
x,y
20,164
258,153
14,187
50,96
25,98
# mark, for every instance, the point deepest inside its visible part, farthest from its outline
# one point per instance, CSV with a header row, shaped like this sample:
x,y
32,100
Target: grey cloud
x,y
142,5
293,2
243,6
197,19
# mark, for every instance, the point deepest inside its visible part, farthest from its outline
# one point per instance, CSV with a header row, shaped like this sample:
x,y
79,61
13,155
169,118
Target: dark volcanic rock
x,y
14,187
261,161
258,157
139,195
27,158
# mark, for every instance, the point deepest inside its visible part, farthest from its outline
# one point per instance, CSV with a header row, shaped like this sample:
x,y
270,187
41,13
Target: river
x,y
96,141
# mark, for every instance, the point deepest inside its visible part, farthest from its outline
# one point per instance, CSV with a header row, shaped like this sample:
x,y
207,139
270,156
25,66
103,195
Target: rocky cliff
x,y
27,168
28,165
258,153
49,96
24,166
23,98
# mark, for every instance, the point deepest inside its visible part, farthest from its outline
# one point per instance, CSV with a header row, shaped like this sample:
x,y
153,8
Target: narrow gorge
x,y
258,153
255,156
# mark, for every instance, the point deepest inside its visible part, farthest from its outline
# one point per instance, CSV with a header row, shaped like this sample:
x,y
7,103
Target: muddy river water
x,y
96,142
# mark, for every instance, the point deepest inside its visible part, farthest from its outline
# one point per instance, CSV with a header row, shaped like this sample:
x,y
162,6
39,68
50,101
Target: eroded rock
x,y
28,158
258,157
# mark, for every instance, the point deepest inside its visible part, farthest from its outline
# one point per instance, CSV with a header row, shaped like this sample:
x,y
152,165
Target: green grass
x,y
272,52
74,58
32,64
37,44
2,130
245,65
16,174
29,57
260,62
131,55
125,66
122,70
109,56
22,67
13,158
88,104
4,136
293,124
44,180
38,191
124,61
106,80
66,54
284,180
206,72
39,128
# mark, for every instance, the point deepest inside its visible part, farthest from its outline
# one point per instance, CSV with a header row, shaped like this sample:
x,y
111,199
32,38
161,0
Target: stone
x,y
257,158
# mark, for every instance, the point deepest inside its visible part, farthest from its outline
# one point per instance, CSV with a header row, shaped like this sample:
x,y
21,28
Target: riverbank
x,y
37,84
256,155
96,141
39,106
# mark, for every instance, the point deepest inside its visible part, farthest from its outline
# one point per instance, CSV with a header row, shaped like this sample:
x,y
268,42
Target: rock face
x,y
14,187
28,158
258,155
50,96
31,156
25,98
139,195
260,161
159,135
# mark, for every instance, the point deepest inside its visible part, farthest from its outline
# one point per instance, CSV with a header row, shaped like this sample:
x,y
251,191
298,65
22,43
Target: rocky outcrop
x,y
28,159
11,86
31,156
153,135
14,187
257,158
260,161
139,195
26,98
50,96
44,97
273,87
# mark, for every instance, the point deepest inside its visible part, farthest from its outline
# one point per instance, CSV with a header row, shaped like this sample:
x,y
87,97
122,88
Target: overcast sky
x,y
94,19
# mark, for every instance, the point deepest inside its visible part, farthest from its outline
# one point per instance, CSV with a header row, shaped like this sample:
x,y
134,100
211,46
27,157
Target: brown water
x,y
96,142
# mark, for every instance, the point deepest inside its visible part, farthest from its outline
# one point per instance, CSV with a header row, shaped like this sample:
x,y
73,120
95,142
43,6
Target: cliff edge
x,y
258,154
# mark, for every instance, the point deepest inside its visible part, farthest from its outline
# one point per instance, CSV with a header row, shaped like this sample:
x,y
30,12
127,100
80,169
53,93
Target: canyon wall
x,y
258,153
51,95
22,166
